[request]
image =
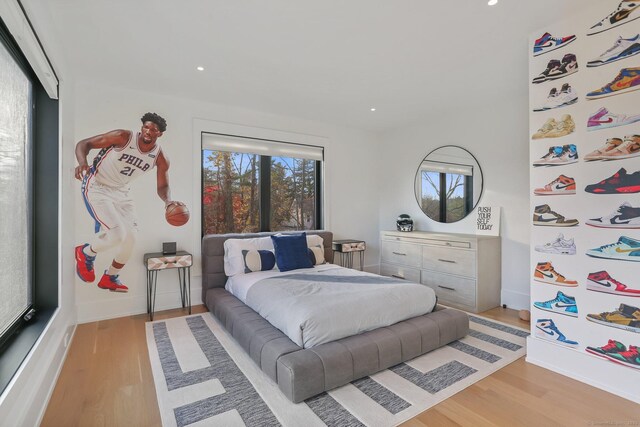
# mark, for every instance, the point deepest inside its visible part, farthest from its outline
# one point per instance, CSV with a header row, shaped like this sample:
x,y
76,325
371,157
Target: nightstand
x,y
157,261
346,248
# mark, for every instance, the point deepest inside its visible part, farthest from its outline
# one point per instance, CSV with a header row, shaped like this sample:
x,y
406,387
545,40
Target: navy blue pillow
x,y
291,251
258,260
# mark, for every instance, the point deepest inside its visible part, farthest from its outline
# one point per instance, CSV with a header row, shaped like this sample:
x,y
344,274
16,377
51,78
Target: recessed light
x,y
200,68
492,2
373,109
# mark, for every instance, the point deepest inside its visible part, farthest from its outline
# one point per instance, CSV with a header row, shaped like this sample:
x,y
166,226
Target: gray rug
x,y
204,378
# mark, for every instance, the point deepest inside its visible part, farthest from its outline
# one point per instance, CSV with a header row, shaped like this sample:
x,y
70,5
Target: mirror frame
x,y
475,205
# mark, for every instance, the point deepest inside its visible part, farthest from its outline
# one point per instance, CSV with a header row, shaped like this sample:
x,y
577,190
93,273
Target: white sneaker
x,y
627,11
567,96
626,216
604,119
559,246
556,99
622,48
550,102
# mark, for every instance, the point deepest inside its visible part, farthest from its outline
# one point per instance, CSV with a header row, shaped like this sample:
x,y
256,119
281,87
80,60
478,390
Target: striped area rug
x,y
204,378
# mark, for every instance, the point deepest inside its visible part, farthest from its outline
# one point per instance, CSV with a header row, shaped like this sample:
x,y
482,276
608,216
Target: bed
x,y
325,363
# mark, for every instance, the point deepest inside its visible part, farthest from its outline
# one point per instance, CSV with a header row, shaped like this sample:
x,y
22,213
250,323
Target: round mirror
x,y
448,184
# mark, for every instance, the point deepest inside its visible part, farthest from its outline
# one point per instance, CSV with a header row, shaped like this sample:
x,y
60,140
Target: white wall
x,y
497,137
351,186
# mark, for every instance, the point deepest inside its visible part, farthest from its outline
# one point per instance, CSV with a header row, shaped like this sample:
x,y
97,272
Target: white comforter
x,y
325,303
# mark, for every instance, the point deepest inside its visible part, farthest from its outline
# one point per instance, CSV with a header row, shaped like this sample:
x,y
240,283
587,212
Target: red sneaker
x,y
84,265
601,281
112,283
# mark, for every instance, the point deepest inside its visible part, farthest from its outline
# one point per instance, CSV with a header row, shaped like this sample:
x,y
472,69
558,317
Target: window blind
x,y
236,144
452,168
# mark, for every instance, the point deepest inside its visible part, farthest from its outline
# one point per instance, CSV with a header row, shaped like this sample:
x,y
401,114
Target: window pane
x,y
456,203
15,135
230,192
293,194
430,200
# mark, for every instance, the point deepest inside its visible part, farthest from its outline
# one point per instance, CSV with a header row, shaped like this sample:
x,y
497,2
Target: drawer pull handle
x,y
448,243
446,260
397,277
444,287
399,253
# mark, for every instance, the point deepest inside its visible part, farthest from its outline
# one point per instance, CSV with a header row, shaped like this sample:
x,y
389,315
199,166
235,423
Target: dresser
x,y
464,270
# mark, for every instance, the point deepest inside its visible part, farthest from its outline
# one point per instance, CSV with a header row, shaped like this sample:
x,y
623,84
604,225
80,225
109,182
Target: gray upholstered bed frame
x,y
303,373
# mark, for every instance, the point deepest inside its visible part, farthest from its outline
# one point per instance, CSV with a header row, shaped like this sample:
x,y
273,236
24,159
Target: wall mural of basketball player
x,y
124,156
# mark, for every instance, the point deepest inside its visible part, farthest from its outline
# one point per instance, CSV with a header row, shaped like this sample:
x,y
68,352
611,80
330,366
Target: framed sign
x,y
488,220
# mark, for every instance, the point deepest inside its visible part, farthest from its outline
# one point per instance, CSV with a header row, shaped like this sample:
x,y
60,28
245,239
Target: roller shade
x,y
217,142
452,168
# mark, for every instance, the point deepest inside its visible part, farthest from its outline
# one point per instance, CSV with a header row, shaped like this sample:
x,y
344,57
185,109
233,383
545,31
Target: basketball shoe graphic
x,y
545,273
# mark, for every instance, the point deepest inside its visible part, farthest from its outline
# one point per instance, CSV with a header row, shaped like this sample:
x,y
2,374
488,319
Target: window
x,y
16,129
446,190
251,185
28,206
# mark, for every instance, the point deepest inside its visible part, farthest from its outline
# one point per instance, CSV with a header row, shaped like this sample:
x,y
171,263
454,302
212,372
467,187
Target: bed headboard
x,y
213,255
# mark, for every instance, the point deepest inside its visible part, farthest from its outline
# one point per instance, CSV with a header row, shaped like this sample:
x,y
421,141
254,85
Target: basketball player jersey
x,y
117,167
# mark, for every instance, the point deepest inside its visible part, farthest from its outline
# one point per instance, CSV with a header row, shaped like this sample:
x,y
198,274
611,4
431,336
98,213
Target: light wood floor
x,y
106,380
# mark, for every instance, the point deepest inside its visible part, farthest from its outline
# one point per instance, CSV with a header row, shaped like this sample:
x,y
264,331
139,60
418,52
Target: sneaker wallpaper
x,y
584,150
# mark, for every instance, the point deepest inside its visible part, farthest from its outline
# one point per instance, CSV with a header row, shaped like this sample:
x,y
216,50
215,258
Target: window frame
x,y
264,180
44,187
8,43
442,202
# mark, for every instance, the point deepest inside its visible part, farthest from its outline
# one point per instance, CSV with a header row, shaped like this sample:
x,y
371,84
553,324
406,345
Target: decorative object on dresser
x,y
463,269
404,223
346,248
157,261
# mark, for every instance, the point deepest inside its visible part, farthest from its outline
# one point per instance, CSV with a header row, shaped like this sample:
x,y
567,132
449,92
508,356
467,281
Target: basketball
x,y
177,215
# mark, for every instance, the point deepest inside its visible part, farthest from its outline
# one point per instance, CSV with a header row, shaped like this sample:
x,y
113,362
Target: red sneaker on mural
x,y
112,283
601,281
84,265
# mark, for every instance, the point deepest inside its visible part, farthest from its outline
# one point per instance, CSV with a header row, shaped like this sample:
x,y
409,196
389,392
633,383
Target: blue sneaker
x,y
625,249
562,304
622,48
547,330
547,43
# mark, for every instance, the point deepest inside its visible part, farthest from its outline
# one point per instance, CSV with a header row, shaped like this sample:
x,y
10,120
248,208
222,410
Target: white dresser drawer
x,y
451,289
401,253
400,272
450,260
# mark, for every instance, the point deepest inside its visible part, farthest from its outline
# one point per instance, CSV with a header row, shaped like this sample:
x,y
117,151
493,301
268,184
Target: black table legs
x,y
184,280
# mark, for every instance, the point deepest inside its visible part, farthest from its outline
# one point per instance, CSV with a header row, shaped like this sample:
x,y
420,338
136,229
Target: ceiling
x,y
324,60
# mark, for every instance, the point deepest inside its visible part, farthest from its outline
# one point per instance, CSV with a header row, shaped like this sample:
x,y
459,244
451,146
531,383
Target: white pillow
x,y
233,258
318,255
314,240
265,243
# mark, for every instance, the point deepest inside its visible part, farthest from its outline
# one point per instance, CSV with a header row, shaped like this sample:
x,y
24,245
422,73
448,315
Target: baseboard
x,y
71,331
25,400
607,376
516,300
129,305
